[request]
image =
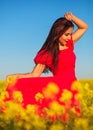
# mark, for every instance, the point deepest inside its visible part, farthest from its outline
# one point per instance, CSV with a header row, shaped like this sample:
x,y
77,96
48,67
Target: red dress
x,y
63,77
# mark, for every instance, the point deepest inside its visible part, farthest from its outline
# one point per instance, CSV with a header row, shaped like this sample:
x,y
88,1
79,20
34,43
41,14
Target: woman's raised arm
x,y
81,26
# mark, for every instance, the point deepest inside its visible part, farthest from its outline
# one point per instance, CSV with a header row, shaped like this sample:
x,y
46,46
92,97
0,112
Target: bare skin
x,y
81,29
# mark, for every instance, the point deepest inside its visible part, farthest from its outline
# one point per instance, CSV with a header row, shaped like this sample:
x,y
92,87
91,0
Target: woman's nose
x,y
69,37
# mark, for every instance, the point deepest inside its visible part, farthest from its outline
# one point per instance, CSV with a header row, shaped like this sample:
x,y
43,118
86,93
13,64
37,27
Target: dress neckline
x,y
64,49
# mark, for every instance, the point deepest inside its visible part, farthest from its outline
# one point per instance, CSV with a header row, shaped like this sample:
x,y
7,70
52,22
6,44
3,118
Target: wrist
x,y
73,18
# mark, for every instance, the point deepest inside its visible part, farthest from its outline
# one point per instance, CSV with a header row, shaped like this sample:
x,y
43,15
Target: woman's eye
x,y
67,34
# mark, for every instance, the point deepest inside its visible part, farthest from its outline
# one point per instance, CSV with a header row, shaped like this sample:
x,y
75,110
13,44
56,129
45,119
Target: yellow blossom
x,y
3,85
17,96
39,97
65,96
31,108
51,90
76,86
81,123
55,109
57,126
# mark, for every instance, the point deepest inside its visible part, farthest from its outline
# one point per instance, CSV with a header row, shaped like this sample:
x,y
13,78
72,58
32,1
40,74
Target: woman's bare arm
x,y
36,72
81,26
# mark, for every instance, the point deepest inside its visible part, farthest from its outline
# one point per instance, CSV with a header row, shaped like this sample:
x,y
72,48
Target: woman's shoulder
x,y
42,53
43,57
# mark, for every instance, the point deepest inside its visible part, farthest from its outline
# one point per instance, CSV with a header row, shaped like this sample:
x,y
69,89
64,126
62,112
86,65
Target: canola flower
x,y
39,97
50,91
17,96
66,96
14,117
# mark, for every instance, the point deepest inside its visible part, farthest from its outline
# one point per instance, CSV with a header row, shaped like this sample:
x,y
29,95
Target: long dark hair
x,y
51,43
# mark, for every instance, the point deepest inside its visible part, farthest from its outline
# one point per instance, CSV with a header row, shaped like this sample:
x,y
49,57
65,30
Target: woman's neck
x,y
62,46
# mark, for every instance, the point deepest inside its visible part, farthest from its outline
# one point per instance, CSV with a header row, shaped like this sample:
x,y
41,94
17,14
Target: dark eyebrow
x,y
68,33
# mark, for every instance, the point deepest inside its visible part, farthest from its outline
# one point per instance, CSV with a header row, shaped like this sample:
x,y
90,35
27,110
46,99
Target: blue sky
x,y
24,25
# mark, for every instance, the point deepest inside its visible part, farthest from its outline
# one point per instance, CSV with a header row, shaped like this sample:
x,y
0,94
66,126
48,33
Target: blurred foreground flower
x,y
39,97
66,96
17,96
50,91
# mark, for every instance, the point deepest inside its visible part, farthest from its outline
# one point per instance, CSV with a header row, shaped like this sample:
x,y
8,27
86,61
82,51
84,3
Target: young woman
x,y
56,55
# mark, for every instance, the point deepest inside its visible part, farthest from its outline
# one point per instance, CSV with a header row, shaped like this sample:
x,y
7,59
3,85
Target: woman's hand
x,y
15,77
12,79
68,16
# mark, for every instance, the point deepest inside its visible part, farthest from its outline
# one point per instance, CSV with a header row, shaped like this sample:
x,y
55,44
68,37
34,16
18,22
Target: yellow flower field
x,y
14,117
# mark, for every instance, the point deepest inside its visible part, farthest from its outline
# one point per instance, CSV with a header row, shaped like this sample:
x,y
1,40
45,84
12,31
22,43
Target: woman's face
x,y
66,36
